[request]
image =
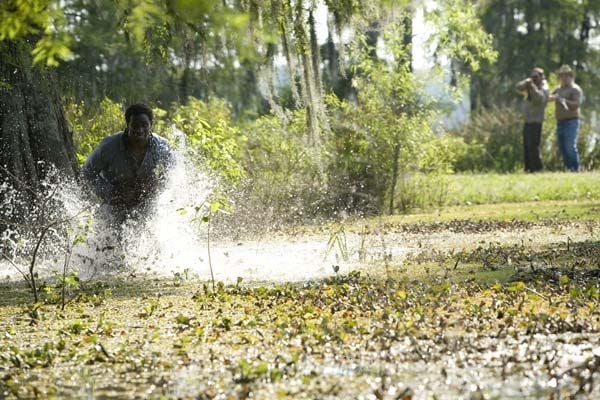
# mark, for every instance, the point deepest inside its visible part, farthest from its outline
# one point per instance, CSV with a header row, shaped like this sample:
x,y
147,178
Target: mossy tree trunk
x,y
33,129
407,39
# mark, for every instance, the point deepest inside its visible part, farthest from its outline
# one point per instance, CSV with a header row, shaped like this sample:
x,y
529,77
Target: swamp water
x,y
480,368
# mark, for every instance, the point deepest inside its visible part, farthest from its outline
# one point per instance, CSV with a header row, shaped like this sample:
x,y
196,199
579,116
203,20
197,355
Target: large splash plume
x,y
174,238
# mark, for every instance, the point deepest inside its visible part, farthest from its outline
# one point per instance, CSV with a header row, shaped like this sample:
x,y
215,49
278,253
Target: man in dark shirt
x,y
128,169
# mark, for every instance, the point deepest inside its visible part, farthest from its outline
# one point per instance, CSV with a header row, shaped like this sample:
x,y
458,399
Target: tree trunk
x,y
407,37
309,94
407,41
396,159
315,51
33,129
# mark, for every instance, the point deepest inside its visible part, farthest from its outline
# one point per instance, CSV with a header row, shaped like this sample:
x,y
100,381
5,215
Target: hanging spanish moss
x,y
307,82
314,49
288,48
259,23
317,75
337,24
293,24
266,83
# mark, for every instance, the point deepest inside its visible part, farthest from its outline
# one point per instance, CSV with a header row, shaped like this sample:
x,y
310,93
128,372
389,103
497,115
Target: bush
x,y
212,139
493,141
91,125
372,143
285,174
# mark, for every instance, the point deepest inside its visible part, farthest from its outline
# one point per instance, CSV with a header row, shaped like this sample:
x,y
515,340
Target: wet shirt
x,y
118,179
571,92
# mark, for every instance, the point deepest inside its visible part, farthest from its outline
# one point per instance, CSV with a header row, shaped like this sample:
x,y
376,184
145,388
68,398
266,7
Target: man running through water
x,y
128,169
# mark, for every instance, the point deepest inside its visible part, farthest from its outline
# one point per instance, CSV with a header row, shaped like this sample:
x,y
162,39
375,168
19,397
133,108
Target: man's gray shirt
x,y
118,179
534,103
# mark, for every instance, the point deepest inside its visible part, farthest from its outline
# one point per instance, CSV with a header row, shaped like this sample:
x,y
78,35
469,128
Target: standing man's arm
x,y
555,97
568,104
91,172
523,85
575,101
538,95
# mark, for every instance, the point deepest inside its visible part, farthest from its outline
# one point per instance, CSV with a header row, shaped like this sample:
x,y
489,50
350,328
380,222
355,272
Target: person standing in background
x,y
568,98
535,90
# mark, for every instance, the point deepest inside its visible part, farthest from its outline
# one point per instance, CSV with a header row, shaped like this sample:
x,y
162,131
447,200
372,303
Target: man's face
x,y
536,77
565,79
139,127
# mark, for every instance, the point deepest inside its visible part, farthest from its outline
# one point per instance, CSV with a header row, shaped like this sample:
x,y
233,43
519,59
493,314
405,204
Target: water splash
x,y
172,239
41,220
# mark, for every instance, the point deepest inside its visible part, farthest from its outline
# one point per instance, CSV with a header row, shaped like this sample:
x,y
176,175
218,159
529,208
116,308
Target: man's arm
x,y
568,104
575,102
522,86
538,95
91,172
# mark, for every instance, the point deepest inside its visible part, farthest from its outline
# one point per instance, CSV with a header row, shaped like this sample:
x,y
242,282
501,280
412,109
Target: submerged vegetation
x,y
489,316
424,266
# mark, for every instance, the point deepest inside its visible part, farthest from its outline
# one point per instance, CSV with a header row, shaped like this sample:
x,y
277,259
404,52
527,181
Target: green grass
x,y
520,187
430,192
569,210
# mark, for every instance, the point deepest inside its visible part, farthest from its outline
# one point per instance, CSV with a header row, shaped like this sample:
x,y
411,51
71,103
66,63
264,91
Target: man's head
x,y
537,76
139,122
566,75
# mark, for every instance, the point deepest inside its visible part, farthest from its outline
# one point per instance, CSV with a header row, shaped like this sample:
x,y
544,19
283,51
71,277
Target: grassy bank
x,y
435,191
508,188
560,210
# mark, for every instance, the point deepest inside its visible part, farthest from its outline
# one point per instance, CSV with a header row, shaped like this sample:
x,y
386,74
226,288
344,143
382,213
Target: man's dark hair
x,y
137,109
539,71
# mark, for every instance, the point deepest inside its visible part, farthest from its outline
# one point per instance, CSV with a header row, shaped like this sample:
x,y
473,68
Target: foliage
x,y
378,146
284,173
43,19
460,34
90,127
108,62
388,132
212,139
492,140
